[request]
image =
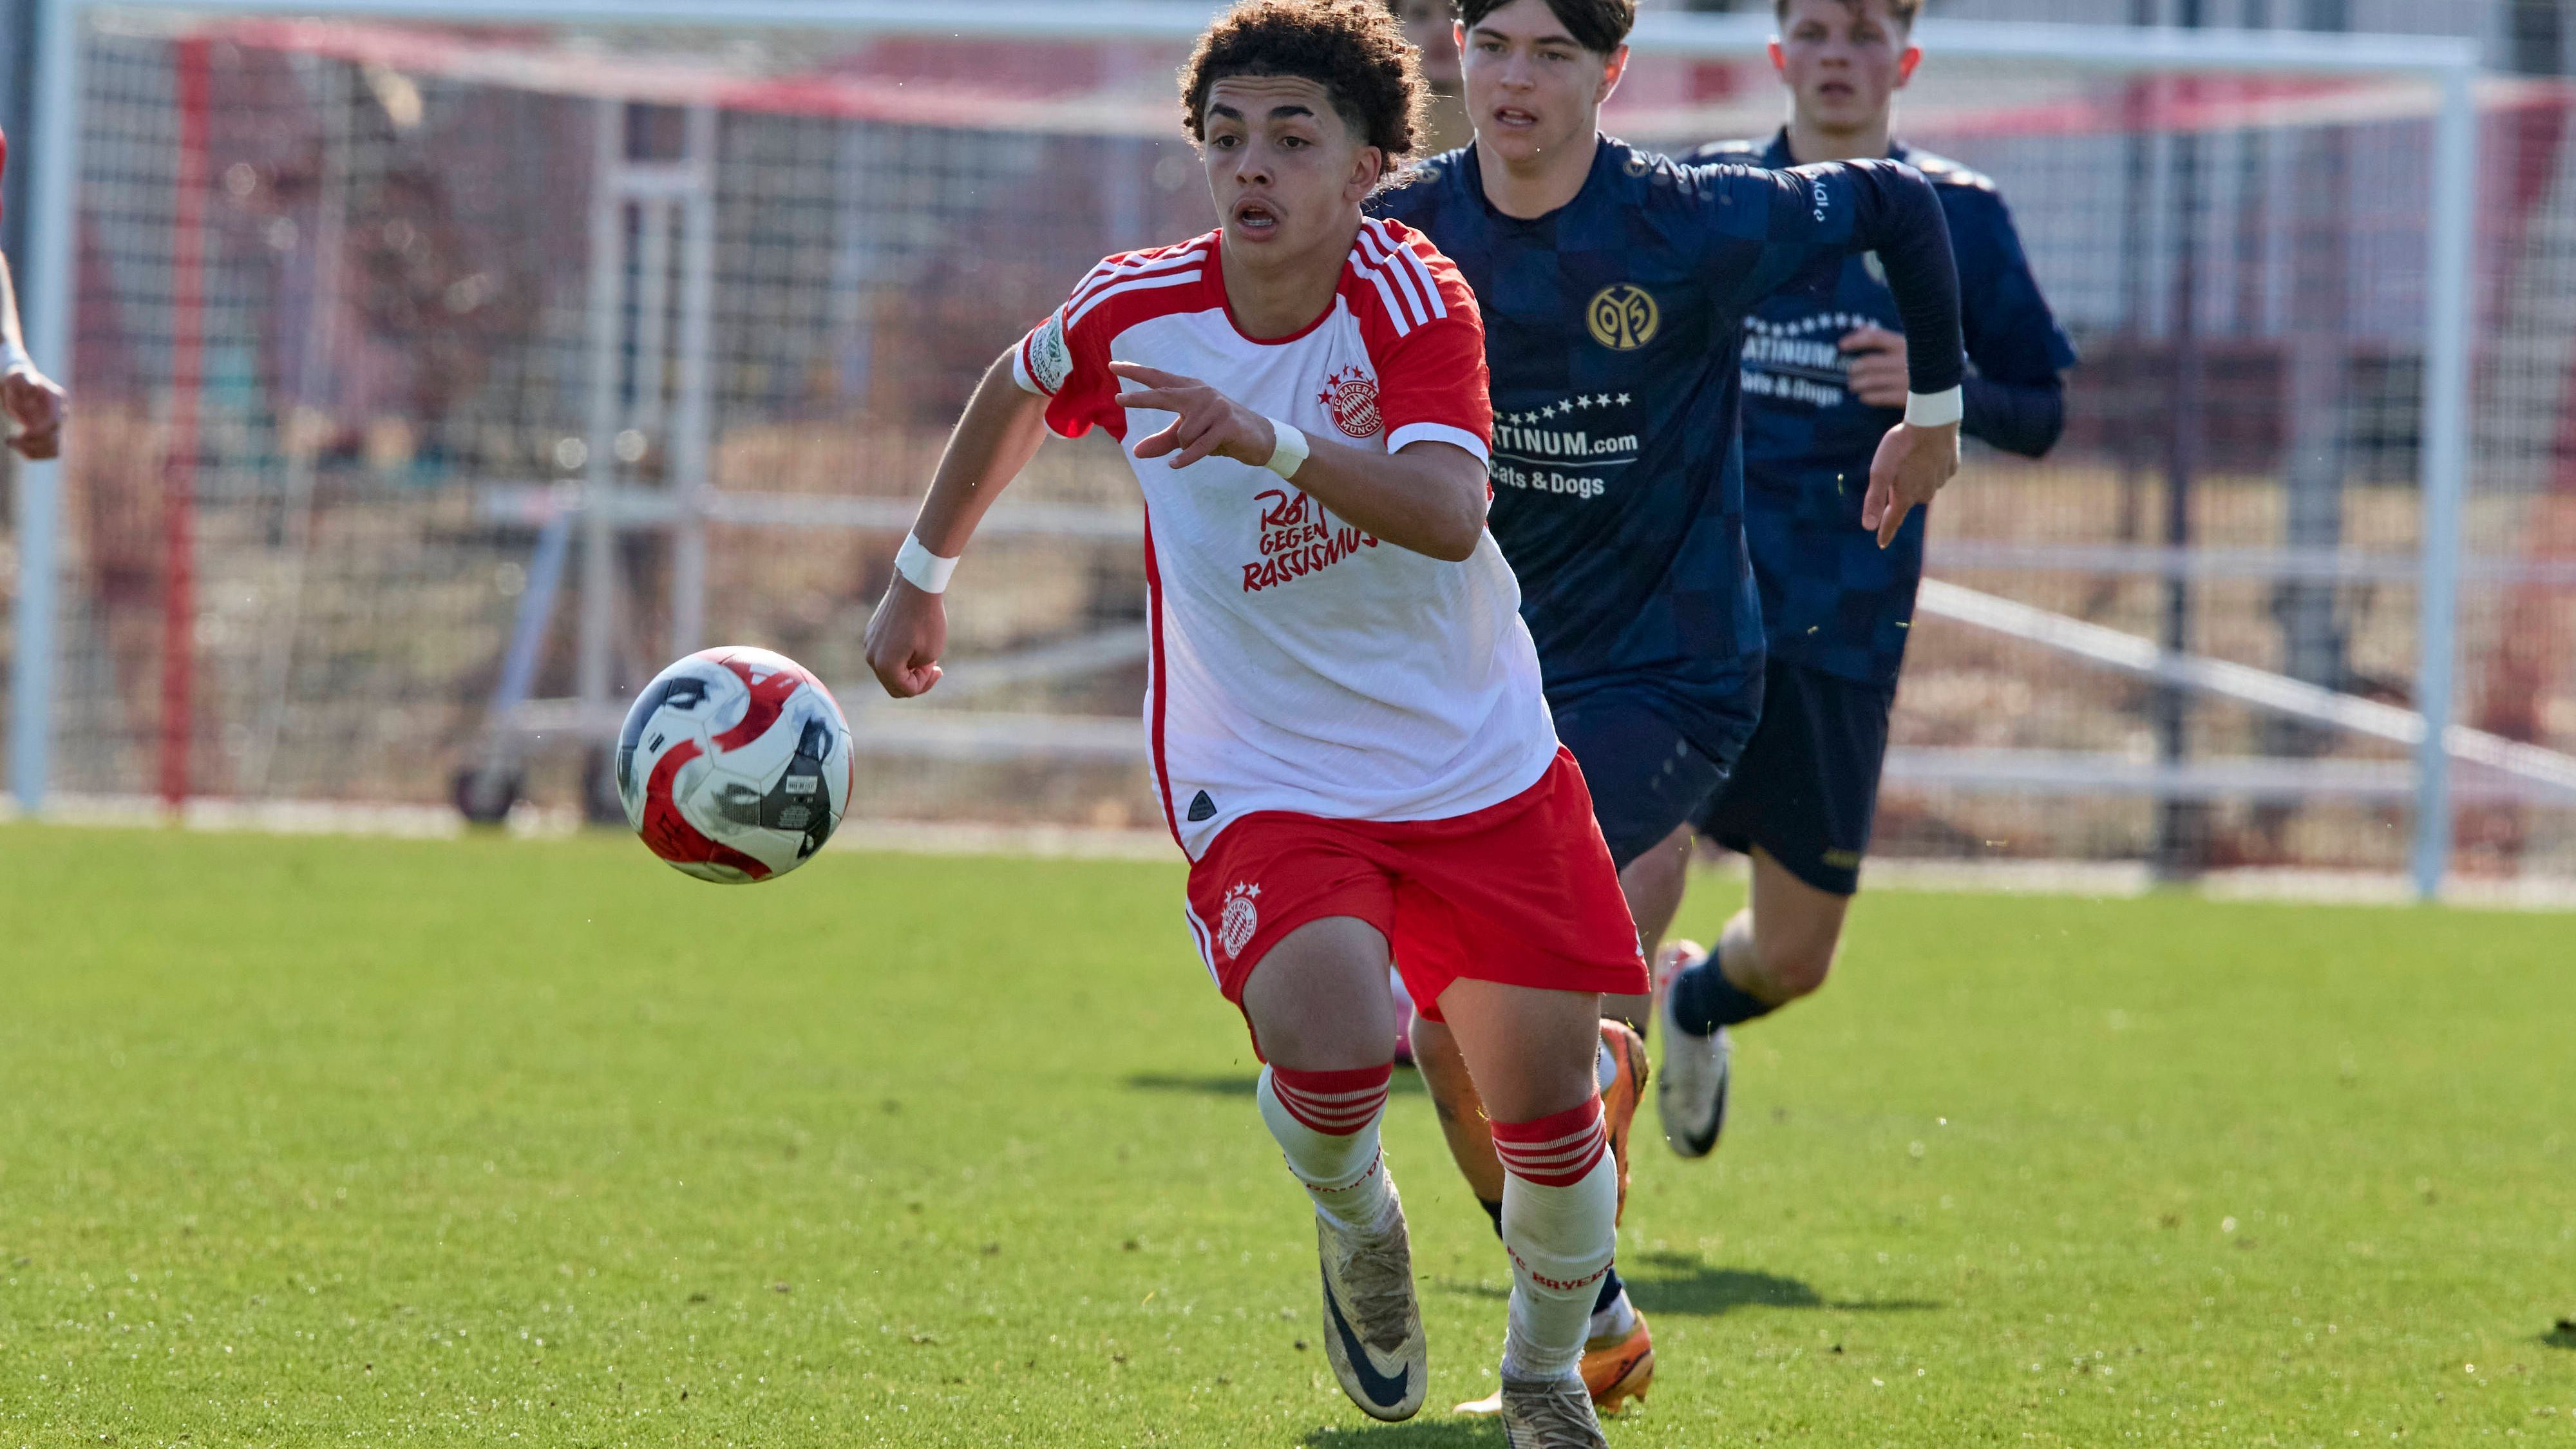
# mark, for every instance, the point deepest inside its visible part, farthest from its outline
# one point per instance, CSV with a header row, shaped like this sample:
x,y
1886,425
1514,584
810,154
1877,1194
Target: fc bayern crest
x,y
1351,396
1234,929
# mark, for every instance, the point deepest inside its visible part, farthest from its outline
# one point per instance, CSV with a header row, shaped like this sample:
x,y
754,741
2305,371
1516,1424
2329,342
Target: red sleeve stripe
x,y
1404,284
1403,310
1408,265
1141,284
1137,264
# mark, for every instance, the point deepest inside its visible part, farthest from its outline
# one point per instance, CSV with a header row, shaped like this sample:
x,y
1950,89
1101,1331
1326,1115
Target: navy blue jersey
x,y
1831,598
1612,329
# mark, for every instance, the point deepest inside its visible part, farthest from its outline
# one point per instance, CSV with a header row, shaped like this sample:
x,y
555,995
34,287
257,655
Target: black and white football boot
x,y
1372,1324
1550,1414
1690,1090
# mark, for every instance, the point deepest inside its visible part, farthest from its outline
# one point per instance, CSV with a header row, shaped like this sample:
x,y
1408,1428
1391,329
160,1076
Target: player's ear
x,y
1367,165
1611,74
1905,64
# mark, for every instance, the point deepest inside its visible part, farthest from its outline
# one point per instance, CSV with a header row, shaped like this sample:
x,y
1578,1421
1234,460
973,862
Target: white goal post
x,y
2446,70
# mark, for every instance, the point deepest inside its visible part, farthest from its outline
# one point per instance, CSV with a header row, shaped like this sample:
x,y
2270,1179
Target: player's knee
x,y
1801,969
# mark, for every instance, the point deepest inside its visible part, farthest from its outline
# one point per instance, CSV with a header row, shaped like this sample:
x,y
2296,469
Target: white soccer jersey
x,y
1299,664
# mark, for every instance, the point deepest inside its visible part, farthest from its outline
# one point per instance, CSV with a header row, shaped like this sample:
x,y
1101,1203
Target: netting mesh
x,y
396,389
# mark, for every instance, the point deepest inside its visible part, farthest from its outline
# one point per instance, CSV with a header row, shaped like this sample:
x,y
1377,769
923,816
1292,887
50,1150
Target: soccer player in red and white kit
x,y
1347,728
30,401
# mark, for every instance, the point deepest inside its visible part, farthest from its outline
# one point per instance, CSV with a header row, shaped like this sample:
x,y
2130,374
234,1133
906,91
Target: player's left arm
x,y
2015,398
1428,496
1889,208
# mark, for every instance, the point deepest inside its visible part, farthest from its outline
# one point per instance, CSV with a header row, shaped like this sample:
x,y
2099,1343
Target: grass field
x,y
322,1141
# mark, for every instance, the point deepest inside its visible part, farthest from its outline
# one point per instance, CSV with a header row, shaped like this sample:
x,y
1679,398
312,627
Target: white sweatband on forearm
x,y
1291,452
1936,409
921,568
13,357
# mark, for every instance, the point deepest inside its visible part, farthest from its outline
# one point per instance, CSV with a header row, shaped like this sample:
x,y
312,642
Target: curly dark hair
x,y
1600,26
1352,48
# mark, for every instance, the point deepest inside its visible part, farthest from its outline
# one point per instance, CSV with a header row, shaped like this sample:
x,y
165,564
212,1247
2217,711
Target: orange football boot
x,y
1619,1099
1616,1368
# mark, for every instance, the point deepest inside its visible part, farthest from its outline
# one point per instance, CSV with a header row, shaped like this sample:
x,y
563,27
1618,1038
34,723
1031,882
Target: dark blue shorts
x,y
1648,778
1806,790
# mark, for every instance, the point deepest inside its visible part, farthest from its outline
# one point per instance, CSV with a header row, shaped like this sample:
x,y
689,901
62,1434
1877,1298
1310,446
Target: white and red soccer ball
x,y
734,765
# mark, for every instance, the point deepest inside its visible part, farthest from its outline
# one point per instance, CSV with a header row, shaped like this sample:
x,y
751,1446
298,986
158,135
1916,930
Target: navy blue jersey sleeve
x,y
2017,401
2018,417
1835,208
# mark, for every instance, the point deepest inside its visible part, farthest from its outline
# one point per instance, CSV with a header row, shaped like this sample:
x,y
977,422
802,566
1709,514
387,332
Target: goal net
x,y
438,383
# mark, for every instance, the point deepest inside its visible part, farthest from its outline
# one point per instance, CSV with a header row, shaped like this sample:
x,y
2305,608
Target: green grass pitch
x,y
327,1142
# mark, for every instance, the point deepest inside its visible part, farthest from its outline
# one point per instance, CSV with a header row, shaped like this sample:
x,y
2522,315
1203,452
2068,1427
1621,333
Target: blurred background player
x,y
1432,27
1348,731
1613,283
1824,375
31,401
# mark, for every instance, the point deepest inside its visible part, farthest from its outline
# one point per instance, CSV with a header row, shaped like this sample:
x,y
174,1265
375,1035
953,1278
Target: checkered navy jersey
x,y
1612,328
1831,598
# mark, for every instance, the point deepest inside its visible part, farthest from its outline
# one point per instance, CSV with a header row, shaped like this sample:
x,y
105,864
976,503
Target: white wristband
x,y
923,569
1936,409
13,357
1290,454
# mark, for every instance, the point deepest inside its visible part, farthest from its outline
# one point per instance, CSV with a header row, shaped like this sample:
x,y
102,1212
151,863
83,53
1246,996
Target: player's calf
x,y
1326,1124
1560,1206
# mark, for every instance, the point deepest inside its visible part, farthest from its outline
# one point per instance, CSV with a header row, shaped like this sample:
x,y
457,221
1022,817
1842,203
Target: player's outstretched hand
x,y
1911,466
1877,371
1208,423
906,636
35,408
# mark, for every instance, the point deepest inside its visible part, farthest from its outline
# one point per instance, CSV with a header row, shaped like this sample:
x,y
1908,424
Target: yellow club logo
x,y
1624,317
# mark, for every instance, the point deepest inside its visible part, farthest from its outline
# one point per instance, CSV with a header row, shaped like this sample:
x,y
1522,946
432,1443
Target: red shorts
x,y
1521,893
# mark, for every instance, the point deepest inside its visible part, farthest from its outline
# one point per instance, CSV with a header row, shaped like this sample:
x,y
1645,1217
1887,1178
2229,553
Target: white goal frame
x,y
2450,66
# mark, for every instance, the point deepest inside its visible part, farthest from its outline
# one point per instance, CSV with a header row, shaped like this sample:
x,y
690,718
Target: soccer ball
x,y
734,765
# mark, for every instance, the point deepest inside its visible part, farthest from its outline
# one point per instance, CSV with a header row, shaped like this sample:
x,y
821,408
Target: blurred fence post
x,y
691,451
608,262
2449,304
46,307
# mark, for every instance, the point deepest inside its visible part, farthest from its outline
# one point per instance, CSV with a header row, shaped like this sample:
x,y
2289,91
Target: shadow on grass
x,y
1670,1282
1422,1433
2562,1336
1222,1084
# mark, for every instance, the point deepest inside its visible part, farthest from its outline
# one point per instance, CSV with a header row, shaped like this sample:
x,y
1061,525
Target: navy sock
x,y
1704,1000
1611,1288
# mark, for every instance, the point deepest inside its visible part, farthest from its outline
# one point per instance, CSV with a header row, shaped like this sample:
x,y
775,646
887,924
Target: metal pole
x,y
607,339
691,450
192,78
2182,824
2450,315
46,307
645,412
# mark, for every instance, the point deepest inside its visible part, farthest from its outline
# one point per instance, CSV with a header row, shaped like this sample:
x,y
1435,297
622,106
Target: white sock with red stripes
x,y
1560,1225
1326,1123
